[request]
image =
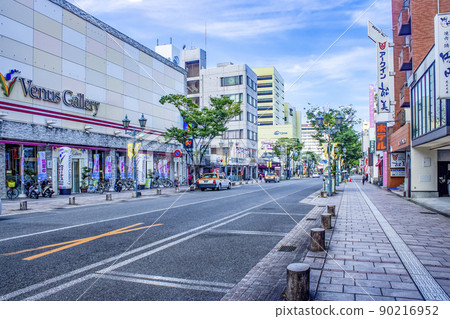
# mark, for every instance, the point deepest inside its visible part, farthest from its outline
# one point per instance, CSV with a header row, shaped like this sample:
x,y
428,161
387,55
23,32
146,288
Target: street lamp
x,y
133,132
320,121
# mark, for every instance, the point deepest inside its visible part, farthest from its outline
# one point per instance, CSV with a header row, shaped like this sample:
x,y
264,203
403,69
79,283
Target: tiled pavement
x,y
361,262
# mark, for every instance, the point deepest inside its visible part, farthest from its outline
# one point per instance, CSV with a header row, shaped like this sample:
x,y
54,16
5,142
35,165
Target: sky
x,y
320,47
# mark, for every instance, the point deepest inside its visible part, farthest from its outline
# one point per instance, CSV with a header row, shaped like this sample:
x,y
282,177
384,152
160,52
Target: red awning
x,y
380,161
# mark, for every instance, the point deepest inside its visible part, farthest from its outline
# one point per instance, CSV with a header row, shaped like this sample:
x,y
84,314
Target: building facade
x,y
68,81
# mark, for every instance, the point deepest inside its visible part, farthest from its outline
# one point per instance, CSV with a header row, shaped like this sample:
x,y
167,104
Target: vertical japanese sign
x,y
65,168
130,169
383,77
42,166
381,136
122,166
442,54
140,167
108,167
371,106
96,167
372,147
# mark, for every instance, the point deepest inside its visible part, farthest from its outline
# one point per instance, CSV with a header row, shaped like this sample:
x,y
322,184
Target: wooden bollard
x,y
326,221
323,194
159,191
297,288
109,196
317,239
72,200
177,189
331,209
23,205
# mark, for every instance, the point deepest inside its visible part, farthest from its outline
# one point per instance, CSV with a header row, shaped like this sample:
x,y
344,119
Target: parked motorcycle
x,y
47,188
32,189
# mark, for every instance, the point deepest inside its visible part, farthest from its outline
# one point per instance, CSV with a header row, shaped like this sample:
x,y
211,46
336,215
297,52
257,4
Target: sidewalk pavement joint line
x,y
247,232
173,279
134,251
425,282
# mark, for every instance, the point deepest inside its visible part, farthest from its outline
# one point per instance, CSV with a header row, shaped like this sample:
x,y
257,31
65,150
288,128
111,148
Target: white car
x,y
215,181
315,175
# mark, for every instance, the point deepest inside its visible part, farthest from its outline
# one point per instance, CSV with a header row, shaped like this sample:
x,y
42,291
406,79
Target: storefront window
x,y
12,162
161,165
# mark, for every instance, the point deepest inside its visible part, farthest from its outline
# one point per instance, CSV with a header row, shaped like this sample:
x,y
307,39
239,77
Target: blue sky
x,y
287,34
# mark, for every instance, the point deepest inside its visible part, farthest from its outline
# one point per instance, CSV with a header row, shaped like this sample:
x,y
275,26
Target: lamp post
x,y
320,121
133,132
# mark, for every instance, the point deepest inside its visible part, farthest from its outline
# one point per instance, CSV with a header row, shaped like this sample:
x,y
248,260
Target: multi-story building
x,y
68,82
270,96
236,151
427,164
310,144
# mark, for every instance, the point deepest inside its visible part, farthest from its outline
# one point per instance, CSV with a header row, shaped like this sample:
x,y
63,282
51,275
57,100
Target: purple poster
x,y
122,166
96,167
108,167
42,166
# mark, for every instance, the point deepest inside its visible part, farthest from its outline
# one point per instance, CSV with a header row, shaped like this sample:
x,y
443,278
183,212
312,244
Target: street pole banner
x,y
42,166
108,167
140,167
442,54
130,169
65,168
371,106
122,166
96,167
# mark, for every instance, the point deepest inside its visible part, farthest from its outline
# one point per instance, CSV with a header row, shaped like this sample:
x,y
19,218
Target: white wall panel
x,y
95,93
131,77
17,11
74,22
15,30
131,52
115,43
96,63
145,95
16,50
114,98
49,9
28,3
47,43
47,61
95,78
146,71
74,38
7,64
48,26
131,64
47,79
96,33
158,66
95,47
114,70
130,103
74,54
73,70
130,90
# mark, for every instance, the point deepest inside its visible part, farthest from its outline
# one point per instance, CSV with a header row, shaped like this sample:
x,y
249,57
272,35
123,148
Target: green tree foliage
x,y
346,136
204,124
285,147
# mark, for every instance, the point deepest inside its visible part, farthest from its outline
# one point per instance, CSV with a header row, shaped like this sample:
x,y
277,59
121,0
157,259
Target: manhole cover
x,y
287,248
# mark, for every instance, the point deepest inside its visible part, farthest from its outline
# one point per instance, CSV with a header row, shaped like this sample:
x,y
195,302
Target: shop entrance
x,y
443,178
75,175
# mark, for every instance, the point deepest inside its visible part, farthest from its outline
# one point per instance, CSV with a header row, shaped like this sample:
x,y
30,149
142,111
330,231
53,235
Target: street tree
x,y
287,147
346,136
203,124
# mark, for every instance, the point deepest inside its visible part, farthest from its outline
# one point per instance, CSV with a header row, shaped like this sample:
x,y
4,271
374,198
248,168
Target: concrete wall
x,y
424,172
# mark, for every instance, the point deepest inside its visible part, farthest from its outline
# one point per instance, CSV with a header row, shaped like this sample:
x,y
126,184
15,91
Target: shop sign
x,y
280,133
96,167
130,152
372,147
108,167
442,54
41,166
381,136
65,168
397,172
398,160
68,97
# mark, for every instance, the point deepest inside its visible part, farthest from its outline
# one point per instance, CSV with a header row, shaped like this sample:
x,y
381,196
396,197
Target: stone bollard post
x,y
136,194
297,288
177,189
317,239
72,200
159,191
326,221
109,196
23,205
331,209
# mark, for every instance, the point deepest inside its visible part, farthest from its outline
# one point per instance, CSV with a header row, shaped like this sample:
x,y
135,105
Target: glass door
x,y
76,175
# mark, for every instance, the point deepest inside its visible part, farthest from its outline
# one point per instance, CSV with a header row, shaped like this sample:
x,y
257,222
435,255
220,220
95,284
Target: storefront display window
x,y
12,162
161,165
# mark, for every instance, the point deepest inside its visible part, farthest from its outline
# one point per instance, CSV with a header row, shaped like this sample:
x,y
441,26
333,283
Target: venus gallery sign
x,y
68,97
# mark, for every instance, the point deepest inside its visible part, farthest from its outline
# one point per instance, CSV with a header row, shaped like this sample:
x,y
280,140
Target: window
x,y
193,87
232,134
235,97
237,118
231,80
196,100
251,83
253,136
193,68
265,85
265,100
265,123
252,118
265,108
265,92
252,101
266,116
264,77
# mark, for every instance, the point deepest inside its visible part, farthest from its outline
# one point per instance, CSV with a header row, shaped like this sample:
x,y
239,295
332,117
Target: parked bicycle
x,y
118,185
12,191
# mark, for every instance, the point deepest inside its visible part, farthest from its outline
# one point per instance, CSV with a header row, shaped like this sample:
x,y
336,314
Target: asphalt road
x,y
194,246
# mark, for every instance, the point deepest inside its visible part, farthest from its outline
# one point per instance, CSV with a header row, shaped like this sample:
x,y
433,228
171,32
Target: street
x,y
192,246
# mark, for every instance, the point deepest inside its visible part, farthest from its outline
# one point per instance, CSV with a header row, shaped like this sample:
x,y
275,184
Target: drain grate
x,y
427,213
311,218
287,248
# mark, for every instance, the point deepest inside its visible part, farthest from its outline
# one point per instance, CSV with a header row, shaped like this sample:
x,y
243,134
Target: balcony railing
x,y
404,22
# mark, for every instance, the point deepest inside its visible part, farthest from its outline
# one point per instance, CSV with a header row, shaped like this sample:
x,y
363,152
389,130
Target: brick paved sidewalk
x,y
373,250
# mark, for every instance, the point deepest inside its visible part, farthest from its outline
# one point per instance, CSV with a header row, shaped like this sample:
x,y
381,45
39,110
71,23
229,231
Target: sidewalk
x,y
381,247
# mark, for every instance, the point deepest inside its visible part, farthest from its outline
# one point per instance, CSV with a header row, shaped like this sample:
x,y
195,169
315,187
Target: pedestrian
x,y
363,179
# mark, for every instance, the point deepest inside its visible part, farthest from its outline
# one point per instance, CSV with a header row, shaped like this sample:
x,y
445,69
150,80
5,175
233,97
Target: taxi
x,y
271,177
215,181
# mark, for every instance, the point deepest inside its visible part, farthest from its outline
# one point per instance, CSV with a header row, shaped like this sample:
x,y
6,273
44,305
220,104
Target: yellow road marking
x,y
73,243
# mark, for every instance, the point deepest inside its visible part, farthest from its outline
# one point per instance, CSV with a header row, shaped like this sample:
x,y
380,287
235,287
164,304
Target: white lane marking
x,y
427,285
112,259
173,279
166,284
247,232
